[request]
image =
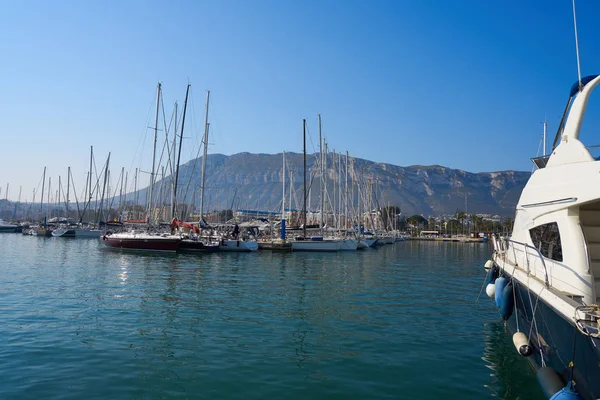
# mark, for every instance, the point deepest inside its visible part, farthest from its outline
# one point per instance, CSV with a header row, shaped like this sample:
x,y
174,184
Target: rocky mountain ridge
x,y
254,181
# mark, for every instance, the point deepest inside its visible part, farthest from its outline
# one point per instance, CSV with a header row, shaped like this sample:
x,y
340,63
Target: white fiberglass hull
x,y
77,233
349,244
368,242
237,245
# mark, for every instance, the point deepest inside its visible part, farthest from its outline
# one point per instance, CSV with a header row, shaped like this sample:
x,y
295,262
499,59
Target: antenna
x,y
577,46
545,126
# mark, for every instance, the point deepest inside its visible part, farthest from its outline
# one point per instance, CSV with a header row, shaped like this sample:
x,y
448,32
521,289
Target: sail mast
x,y
174,205
205,140
174,165
304,152
148,217
68,185
322,184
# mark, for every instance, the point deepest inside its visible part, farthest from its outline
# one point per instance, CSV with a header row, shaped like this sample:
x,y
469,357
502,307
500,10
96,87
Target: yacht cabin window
x,y
546,238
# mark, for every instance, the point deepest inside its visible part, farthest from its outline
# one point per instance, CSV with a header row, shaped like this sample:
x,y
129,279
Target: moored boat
x,y
545,277
141,241
238,245
7,227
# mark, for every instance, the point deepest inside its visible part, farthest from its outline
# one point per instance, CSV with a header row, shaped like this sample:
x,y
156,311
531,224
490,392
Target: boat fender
x,y
500,284
492,274
550,381
522,344
490,290
488,265
507,301
567,393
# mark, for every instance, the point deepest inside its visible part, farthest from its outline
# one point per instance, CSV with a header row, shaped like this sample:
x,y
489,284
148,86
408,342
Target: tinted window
x,y
546,239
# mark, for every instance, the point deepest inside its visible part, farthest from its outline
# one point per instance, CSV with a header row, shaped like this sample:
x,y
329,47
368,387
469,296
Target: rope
x,y
515,303
534,308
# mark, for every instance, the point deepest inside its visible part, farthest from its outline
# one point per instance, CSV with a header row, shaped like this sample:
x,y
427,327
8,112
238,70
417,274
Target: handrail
x,y
539,254
585,248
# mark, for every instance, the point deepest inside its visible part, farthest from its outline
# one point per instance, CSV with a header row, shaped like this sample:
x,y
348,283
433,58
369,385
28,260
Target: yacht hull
x,y
142,242
349,244
64,233
238,245
197,246
559,341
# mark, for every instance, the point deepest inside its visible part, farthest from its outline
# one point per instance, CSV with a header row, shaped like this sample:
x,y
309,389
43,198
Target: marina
x,y
300,200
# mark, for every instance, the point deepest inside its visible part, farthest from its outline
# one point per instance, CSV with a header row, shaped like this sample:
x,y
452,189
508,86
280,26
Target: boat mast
x,y
205,151
174,165
283,202
68,185
283,191
174,205
123,178
346,195
321,224
150,194
304,152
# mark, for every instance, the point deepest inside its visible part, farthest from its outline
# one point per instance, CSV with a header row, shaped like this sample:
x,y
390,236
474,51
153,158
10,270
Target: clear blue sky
x,y
465,84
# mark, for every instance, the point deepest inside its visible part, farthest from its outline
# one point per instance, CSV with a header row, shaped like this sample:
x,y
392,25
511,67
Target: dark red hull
x,y
141,243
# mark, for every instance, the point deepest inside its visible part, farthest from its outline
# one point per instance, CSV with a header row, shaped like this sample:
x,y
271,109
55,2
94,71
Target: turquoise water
x,y
400,322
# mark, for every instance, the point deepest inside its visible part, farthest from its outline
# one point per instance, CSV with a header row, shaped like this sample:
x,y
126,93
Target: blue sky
x,y
464,84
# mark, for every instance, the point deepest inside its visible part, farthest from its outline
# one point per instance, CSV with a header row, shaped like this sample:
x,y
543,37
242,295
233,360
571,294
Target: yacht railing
x,y
527,246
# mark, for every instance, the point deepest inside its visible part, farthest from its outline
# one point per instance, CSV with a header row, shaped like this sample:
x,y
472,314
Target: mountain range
x,y
254,181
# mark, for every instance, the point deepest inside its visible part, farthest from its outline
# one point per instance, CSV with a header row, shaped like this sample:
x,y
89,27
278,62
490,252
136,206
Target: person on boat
x,y
236,231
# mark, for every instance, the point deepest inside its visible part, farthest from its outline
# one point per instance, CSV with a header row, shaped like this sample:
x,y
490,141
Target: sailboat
x,y
146,239
226,243
191,241
314,243
545,277
280,244
77,230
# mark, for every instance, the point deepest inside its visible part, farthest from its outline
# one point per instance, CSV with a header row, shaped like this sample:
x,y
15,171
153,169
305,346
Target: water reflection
x,y
511,376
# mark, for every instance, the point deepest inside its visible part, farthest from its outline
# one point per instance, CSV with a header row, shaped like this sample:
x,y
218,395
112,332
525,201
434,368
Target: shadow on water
x,y
511,376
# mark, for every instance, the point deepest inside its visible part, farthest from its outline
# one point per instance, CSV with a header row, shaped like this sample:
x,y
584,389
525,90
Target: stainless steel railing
x,y
525,246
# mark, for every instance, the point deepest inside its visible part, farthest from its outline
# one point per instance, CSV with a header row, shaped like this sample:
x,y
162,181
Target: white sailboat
x,y
318,243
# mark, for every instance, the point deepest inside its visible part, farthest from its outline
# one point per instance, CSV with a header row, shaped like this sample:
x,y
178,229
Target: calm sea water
x,y
400,322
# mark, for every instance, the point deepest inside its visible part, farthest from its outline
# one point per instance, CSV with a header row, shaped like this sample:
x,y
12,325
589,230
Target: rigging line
x,y
577,46
481,290
166,143
533,323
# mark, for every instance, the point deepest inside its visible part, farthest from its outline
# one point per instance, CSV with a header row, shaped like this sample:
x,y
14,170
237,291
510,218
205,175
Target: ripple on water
x,y
80,321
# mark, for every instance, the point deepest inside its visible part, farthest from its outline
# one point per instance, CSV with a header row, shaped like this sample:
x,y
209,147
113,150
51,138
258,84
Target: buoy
x,y
490,290
500,284
488,264
550,382
522,344
507,301
567,393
